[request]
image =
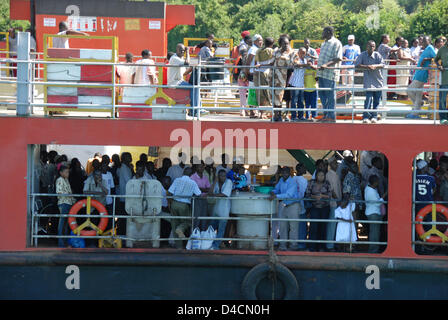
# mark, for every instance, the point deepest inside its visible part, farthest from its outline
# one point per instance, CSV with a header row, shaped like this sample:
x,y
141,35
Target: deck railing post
x,y
23,74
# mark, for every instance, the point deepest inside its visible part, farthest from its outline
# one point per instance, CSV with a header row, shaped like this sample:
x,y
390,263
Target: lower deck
x,y
210,276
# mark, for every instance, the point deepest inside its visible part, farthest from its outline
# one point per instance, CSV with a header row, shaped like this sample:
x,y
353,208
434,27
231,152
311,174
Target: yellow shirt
x,y
310,79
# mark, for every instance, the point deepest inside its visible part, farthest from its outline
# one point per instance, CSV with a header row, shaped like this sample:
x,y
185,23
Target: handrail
x,y
161,215
217,106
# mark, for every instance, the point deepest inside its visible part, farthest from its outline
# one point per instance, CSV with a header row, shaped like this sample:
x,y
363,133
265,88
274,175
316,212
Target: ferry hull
x,y
205,276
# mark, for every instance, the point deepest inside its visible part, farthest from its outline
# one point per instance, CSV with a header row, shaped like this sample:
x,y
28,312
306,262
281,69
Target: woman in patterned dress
x,y
284,58
64,202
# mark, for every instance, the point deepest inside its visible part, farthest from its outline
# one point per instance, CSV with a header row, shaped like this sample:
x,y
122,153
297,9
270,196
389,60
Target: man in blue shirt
x,y
424,186
350,52
420,76
286,191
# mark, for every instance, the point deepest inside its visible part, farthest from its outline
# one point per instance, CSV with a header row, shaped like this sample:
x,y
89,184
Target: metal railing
x,y
355,107
270,218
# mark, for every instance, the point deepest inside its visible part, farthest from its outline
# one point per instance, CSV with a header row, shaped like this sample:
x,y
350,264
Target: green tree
x,y
356,6
211,16
430,19
5,22
391,19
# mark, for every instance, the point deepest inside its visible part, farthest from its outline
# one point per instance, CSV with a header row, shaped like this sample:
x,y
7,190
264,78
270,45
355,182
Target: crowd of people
x,y
336,190
299,73
305,69
431,186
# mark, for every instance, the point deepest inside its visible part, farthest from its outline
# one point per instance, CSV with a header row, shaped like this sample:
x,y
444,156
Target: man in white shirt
x,y
373,212
65,31
145,74
176,74
182,190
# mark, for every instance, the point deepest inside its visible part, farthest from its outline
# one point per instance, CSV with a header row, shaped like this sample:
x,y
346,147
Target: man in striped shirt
x,y
329,58
297,80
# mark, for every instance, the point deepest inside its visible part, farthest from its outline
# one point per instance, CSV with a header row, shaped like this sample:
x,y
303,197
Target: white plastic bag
x,y
210,235
194,243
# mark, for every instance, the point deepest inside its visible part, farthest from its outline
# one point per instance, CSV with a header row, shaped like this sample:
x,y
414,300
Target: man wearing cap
x,y
244,34
349,53
424,186
348,158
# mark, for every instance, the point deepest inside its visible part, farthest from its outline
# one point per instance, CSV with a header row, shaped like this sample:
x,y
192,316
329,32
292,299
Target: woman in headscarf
x,y
262,73
284,58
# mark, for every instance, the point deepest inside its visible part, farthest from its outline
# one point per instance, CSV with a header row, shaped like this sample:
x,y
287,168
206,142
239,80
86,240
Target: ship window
x,y
430,203
130,185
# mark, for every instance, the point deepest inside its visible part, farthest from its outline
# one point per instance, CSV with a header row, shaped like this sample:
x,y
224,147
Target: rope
x,y
74,76
273,260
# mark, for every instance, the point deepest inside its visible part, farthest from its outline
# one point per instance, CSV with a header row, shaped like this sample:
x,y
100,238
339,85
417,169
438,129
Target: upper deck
x,y
398,138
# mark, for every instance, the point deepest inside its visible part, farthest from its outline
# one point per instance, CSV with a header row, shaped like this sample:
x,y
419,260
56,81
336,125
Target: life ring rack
x,y
79,230
433,235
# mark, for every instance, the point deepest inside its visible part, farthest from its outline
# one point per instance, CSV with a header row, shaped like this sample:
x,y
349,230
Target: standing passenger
x,y
286,192
335,183
350,52
442,64
200,204
257,41
64,202
182,190
297,80
222,188
262,73
145,74
284,57
420,77
65,31
330,56
373,211
302,185
320,191
371,61
125,72
124,173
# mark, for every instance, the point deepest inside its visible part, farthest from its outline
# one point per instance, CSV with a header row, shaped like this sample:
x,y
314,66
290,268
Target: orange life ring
x,y
81,204
422,214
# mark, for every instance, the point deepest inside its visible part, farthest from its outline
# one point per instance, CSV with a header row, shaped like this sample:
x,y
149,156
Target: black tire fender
x,y
261,271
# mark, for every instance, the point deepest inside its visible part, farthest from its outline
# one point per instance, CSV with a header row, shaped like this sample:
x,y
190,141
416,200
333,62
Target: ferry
x,y
38,119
